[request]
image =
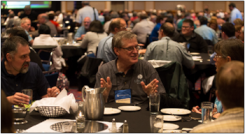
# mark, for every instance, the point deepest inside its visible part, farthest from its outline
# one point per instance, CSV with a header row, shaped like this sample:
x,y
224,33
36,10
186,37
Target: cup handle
x,y
83,92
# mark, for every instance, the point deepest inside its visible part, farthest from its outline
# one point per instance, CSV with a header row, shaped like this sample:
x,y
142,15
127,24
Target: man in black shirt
x,y
193,41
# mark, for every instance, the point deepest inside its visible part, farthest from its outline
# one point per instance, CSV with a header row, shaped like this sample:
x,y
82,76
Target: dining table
x,y
138,121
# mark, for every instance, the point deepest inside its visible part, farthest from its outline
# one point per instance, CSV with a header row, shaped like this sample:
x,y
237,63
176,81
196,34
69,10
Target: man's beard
x,y
24,70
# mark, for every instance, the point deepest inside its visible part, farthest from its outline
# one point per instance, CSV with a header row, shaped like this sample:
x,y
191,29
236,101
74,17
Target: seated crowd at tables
x,y
119,38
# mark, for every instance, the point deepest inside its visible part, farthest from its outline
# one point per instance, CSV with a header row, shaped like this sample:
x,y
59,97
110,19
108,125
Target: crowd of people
x,y
119,38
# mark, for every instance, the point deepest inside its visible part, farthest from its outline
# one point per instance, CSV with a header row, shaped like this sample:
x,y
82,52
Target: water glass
x,y
28,92
207,108
156,123
154,102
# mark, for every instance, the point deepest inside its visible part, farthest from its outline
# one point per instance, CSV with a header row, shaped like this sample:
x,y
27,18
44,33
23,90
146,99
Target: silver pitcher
x,y
93,103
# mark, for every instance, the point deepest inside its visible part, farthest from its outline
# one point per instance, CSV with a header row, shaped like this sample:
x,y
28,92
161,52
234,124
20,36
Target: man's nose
x,y
28,58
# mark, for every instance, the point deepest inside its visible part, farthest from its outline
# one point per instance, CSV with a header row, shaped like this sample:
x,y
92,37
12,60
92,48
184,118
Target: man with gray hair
x,y
113,15
167,49
105,50
127,72
43,19
17,73
26,24
86,11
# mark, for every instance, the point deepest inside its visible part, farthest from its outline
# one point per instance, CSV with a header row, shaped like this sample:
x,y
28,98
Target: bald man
x,y
43,19
82,30
167,49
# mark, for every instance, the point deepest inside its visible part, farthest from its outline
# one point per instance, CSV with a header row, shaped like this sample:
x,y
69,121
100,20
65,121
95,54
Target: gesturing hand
x,y
151,87
107,85
53,92
19,99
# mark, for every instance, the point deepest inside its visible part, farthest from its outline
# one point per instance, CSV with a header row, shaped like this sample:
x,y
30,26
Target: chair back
x,y
51,77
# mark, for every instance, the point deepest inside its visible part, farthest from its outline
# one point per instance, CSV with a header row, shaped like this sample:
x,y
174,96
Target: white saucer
x,y
109,111
170,117
171,131
168,126
195,53
129,108
175,111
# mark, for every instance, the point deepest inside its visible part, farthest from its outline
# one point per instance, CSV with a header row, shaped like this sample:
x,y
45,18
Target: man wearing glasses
x,y
193,41
127,71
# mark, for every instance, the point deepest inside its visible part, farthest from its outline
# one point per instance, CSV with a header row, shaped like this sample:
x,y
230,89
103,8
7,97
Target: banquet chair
x,y
51,77
175,82
46,58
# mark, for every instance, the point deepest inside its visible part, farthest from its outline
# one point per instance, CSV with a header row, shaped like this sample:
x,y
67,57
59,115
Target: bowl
x,y
51,111
19,113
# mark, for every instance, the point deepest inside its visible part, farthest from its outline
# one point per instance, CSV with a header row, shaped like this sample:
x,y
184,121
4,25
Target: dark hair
x,y
143,16
159,19
231,47
232,5
19,32
203,20
189,21
229,29
168,29
170,20
230,84
10,45
7,125
114,24
96,27
51,16
44,29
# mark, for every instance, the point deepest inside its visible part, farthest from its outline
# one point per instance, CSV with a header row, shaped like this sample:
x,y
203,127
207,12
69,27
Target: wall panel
x,y
139,5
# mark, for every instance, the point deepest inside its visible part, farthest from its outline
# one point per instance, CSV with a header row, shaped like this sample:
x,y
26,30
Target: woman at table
x,y
46,39
7,121
93,37
227,50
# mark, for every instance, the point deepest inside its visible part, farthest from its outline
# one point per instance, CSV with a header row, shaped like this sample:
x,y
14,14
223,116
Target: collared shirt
x,y
167,49
80,31
32,79
235,14
142,28
154,33
86,11
197,43
207,33
105,51
230,121
140,71
29,37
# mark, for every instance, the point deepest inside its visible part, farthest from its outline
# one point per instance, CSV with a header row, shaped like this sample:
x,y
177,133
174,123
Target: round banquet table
x,y
138,121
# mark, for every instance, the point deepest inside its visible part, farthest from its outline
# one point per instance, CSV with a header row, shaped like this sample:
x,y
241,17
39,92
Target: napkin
x,y
61,100
45,126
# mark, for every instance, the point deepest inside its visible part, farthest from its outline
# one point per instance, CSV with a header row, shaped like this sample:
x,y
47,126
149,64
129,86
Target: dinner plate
x,y
170,117
167,126
171,131
176,111
195,53
129,108
109,111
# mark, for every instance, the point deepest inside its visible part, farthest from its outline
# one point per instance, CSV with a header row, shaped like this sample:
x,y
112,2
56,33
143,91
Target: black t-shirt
x,y
32,16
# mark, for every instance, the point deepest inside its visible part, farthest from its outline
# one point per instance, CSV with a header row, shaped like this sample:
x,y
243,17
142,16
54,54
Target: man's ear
x,y
228,58
116,50
9,57
192,28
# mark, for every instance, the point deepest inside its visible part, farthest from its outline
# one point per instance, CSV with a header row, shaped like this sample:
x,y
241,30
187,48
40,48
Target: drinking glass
x,y
67,127
207,108
28,92
154,102
156,123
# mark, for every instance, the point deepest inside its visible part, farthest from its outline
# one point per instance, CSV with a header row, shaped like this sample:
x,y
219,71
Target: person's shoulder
x,y
107,66
33,67
145,65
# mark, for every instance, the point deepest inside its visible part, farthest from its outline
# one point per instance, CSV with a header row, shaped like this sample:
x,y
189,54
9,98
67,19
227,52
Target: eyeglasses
x,y
217,56
132,48
125,27
185,27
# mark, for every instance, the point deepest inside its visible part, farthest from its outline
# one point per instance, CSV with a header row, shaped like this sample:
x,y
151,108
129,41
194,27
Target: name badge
x,y
123,96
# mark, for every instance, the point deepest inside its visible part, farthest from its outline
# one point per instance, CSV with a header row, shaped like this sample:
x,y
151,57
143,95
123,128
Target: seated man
x,y
26,24
193,41
127,71
82,30
105,50
230,91
17,73
167,49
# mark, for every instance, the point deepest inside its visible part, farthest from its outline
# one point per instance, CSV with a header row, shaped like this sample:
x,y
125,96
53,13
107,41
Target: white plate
x,y
171,131
176,111
109,111
129,108
170,117
168,126
195,53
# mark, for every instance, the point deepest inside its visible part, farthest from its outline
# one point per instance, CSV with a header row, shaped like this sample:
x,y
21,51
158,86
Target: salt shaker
x,y
125,127
113,126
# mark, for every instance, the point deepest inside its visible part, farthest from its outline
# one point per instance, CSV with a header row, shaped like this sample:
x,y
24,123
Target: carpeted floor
x,y
77,94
